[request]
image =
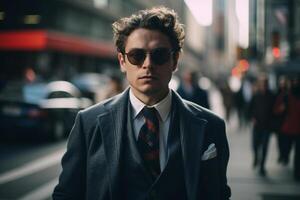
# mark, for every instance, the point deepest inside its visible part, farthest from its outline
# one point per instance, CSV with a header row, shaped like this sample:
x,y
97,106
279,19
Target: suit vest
x,y
136,182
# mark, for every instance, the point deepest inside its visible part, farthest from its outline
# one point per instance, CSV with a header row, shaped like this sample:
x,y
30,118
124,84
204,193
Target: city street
x,y
61,57
30,170
245,183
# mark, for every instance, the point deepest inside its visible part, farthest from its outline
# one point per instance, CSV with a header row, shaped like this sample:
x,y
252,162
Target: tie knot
x,y
149,113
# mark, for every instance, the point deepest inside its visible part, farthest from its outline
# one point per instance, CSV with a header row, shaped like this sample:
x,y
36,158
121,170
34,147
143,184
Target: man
x,y
289,106
189,90
146,143
261,111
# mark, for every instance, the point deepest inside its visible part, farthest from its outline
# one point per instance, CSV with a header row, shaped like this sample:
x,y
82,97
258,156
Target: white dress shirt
x,y
163,107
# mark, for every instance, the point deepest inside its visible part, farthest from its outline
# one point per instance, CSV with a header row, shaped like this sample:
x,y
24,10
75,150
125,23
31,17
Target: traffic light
x,y
276,44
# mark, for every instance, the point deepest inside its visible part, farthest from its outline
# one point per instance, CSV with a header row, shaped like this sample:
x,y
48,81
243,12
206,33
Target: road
x,y
29,170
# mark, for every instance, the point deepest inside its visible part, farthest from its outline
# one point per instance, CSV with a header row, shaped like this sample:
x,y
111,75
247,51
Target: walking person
x,y
115,87
147,142
227,99
291,126
279,110
261,110
242,102
190,90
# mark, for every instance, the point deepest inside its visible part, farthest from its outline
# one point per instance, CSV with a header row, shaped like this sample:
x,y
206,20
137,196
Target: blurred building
x,y
60,38
220,43
246,37
276,39
56,38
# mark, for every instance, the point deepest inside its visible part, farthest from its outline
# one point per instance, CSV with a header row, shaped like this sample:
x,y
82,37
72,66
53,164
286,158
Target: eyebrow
x,y
163,47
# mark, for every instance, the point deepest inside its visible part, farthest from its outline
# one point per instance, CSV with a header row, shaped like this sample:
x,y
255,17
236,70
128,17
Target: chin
x,y
153,91
149,91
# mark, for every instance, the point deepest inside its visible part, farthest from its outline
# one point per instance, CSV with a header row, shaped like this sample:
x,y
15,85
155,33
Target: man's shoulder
x,y
104,106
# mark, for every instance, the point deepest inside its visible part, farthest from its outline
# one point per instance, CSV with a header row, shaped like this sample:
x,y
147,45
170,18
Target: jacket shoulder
x,y
91,113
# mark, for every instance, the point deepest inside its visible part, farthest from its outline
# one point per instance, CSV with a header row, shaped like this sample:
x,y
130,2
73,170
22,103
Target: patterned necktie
x,y
148,141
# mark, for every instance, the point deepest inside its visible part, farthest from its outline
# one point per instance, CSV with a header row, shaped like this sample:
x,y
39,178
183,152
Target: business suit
x,y
91,165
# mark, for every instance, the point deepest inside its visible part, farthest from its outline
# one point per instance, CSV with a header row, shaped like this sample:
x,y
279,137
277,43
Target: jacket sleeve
x,y
213,179
72,178
224,158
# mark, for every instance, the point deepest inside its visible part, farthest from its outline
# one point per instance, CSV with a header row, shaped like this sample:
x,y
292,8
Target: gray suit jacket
x,y
91,163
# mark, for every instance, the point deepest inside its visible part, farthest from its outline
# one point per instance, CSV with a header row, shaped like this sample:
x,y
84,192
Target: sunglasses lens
x,y
136,56
160,56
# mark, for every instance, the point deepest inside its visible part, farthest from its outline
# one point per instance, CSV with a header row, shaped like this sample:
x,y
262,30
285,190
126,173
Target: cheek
x,y
131,76
167,72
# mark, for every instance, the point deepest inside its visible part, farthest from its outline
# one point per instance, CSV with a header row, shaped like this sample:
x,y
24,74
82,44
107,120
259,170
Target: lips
x,y
148,77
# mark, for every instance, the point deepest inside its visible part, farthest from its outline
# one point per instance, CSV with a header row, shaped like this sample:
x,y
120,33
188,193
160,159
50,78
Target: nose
x,y
147,62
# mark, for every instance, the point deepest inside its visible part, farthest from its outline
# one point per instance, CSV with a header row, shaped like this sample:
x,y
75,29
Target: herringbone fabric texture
x,y
148,141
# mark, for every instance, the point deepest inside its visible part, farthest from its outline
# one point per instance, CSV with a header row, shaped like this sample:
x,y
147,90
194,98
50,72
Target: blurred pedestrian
x,y
115,87
261,110
291,125
228,98
190,90
147,142
279,110
242,101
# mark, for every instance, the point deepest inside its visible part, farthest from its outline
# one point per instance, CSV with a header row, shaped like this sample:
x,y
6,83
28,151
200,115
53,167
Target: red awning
x,y
38,40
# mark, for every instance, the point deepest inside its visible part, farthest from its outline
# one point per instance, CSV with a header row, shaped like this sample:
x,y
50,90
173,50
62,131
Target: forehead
x,y
147,39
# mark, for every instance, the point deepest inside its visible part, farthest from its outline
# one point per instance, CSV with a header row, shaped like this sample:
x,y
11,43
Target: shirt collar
x,y
163,107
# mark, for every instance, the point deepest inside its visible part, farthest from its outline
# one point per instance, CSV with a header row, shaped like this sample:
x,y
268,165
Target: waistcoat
x,y
136,182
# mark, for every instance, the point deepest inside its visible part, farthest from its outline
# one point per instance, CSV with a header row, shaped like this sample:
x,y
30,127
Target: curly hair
x,y
159,18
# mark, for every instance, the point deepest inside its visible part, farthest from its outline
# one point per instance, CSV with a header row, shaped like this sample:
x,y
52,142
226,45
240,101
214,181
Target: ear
x,y
175,61
122,63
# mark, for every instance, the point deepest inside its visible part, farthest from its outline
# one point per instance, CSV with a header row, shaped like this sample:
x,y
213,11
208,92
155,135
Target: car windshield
x,y
18,91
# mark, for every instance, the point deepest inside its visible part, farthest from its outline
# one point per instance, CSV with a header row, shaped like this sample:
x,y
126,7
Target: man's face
x,y
148,78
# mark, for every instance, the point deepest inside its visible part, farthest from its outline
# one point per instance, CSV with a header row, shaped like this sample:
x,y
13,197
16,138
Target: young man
x,y
146,143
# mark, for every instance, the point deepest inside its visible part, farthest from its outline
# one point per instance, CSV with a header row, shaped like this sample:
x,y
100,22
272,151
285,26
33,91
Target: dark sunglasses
x,y
158,56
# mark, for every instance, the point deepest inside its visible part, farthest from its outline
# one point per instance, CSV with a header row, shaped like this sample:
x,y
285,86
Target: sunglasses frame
x,y
146,52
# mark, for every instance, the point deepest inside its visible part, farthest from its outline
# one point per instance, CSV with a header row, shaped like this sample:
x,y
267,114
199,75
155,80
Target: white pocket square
x,y
210,153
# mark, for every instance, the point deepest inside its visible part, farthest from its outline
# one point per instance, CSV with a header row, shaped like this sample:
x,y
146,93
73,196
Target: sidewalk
x,y
245,182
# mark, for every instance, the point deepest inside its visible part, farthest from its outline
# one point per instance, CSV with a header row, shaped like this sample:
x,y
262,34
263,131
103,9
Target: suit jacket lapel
x,y
112,124
191,137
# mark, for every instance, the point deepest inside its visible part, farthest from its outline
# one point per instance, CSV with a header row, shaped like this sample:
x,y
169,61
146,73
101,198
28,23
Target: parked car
x,y
91,85
46,110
